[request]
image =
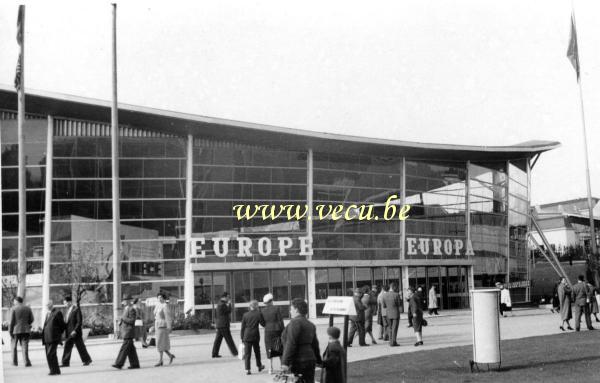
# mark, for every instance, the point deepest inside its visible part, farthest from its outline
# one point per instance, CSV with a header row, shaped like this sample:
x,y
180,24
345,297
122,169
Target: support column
x,y
403,236
471,277
310,273
48,216
405,284
188,284
528,289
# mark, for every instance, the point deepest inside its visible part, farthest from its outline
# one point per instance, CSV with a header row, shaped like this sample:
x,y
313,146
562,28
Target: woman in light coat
x,y
432,305
162,327
505,301
564,297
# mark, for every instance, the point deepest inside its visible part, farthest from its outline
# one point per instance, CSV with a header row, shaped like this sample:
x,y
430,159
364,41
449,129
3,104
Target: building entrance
x,y
244,286
451,282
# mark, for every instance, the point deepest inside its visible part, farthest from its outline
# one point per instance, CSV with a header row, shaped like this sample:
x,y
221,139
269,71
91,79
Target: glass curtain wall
x,y
342,179
436,193
35,132
518,221
228,174
489,219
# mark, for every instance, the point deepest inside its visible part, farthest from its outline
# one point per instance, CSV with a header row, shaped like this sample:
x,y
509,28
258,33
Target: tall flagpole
x,y
585,144
20,84
114,145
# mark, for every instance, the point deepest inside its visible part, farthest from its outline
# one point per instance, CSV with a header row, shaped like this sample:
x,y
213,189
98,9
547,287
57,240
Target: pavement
x,y
194,364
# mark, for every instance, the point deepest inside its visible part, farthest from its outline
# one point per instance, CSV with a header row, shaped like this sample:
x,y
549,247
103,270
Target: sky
x,y
471,72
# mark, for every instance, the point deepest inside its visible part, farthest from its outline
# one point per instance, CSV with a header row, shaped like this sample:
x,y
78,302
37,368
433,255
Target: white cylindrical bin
x,y
486,326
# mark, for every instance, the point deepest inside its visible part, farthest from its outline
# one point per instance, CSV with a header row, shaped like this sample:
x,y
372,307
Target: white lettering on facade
x,y
263,246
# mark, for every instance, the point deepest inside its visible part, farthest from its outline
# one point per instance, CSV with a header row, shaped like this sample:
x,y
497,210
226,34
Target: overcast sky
x,y
462,72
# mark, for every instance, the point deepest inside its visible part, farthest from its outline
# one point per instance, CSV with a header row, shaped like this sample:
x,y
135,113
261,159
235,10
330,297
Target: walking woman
x,y
416,307
432,305
564,297
273,329
140,322
162,328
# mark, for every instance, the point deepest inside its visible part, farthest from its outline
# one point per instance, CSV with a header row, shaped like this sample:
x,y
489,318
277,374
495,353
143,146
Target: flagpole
x,y
585,147
114,145
22,232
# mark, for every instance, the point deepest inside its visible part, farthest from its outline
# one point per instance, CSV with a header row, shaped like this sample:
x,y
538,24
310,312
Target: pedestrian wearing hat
x,y
273,329
251,335
74,323
222,324
127,329
357,322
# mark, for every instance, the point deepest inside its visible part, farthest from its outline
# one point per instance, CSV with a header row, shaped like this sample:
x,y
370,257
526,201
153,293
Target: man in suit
x,y
74,322
21,318
582,297
54,326
128,334
383,329
300,344
357,322
251,336
222,324
392,303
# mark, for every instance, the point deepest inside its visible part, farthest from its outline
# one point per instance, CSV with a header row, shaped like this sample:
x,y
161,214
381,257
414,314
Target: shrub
x,y
191,322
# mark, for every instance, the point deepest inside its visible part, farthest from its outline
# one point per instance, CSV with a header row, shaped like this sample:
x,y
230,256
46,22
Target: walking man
x,y
128,334
222,324
382,315
392,303
251,335
21,318
582,297
357,322
54,326
74,322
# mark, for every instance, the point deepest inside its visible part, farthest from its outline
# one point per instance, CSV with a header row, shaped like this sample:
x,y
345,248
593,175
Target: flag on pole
x,y
572,51
20,32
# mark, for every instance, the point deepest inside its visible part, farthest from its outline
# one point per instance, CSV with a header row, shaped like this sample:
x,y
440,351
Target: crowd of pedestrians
x,y
296,344
573,302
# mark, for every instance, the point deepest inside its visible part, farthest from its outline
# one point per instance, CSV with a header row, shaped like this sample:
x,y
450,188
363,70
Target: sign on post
x,y
339,306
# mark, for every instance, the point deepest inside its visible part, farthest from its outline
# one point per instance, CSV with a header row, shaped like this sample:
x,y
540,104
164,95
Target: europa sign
x,y
242,246
436,246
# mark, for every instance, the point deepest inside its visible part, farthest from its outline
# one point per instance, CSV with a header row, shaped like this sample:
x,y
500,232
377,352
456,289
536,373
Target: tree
x,y
10,289
86,273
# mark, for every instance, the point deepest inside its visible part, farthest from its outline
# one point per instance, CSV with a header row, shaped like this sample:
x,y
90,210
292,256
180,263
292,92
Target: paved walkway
x,y
193,362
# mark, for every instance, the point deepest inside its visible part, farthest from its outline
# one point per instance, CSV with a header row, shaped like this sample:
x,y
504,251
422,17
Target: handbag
x,y
424,323
276,347
138,323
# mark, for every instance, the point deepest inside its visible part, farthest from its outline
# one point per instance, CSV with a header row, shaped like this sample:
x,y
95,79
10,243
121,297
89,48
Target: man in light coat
x,y
382,315
392,303
21,318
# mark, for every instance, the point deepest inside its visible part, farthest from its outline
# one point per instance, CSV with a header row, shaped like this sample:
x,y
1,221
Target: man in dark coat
x,y
54,326
300,344
582,296
74,323
128,334
21,318
334,359
222,324
357,322
251,336
392,303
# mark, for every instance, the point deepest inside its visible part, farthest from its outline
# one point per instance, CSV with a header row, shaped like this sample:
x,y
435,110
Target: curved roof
x,y
60,105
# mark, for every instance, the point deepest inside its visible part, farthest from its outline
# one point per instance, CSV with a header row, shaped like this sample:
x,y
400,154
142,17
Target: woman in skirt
x,y
162,328
273,329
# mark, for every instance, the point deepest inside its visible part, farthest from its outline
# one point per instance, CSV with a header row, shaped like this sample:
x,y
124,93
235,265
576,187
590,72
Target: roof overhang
x,y
67,106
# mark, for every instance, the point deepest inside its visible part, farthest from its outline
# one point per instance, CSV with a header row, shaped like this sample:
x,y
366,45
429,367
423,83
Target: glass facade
x,y
344,180
451,202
